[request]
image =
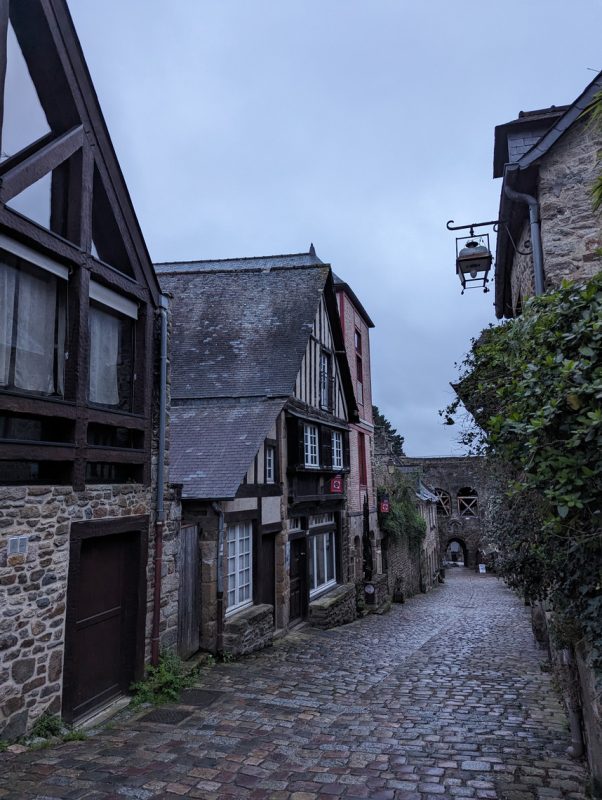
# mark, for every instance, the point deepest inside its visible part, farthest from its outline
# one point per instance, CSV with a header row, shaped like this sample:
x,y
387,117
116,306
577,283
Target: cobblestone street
x,y
442,697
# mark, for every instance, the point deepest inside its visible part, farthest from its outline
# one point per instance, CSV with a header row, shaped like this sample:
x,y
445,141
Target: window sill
x,y
234,610
322,590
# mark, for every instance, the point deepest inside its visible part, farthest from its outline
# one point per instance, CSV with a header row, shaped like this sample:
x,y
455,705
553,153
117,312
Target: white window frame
x,y
270,464
239,566
321,540
327,518
311,442
337,450
325,379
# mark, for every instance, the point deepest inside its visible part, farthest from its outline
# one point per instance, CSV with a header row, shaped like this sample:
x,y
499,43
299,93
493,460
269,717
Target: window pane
x,y
111,359
337,450
8,284
310,441
32,329
320,565
329,541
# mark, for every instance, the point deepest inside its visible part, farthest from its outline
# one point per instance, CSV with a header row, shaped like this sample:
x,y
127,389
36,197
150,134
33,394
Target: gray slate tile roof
x,y
233,264
239,331
213,442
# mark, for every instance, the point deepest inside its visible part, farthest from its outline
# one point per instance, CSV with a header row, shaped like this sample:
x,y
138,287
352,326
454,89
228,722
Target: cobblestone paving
x,y
444,697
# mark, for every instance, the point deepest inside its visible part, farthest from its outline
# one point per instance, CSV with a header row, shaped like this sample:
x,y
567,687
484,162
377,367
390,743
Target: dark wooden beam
x,y
80,349
43,407
85,199
40,42
116,456
3,59
14,179
117,419
29,451
26,152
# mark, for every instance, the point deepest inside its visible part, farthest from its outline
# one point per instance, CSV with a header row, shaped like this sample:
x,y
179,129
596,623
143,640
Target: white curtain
x,y
7,307
104,354
34,362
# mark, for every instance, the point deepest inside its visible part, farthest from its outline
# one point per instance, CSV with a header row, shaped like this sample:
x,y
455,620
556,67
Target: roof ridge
x,y
241,258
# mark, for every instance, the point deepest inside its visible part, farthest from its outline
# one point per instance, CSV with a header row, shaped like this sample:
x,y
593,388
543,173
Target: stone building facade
x,y
558,170
262,398
408,569
81,319
556,164
460,484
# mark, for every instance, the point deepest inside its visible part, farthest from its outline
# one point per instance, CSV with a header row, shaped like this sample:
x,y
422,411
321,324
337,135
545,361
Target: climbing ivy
x,y
403,518
534,388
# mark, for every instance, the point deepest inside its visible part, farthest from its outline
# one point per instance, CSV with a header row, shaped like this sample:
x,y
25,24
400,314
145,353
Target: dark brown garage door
x,y
103,618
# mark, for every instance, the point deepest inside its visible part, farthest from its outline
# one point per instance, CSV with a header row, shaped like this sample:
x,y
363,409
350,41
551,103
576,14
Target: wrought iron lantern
x,y
473,262
473,256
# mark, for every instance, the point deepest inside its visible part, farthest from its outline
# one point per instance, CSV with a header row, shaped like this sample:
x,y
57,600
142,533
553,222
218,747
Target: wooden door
x,y
102,630
266,570
298,580
189,621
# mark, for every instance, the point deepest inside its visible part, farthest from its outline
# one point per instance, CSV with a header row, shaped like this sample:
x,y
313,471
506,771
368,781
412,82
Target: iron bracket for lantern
x,y
462,265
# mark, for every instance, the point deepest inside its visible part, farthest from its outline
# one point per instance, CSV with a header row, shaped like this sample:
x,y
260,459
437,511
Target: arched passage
x,y
456,552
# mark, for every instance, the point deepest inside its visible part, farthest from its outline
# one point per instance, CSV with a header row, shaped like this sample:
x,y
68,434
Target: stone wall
x,y
570,230
452,474
337,607
33,588
249,630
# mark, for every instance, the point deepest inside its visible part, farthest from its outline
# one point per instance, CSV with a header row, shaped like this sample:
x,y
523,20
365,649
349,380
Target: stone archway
x,y
456,552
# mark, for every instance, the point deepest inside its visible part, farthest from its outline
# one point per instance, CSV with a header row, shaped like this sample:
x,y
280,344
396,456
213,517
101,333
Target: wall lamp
x,y
473,256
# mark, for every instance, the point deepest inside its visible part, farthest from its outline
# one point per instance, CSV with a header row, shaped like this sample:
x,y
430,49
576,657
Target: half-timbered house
x,y
261,400
80,321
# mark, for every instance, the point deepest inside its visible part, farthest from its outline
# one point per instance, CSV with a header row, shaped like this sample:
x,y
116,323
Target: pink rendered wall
x,y
351,321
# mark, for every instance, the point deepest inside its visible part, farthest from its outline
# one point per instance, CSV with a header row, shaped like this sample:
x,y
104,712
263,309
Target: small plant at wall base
x,y
403,518
165,682
534,387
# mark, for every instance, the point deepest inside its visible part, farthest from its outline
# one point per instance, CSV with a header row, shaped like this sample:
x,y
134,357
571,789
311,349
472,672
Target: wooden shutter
x,y
294,440
325,448
346,449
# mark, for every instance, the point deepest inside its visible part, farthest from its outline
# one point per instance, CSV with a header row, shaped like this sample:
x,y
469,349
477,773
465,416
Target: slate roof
x,y
213,442
239,332
233,264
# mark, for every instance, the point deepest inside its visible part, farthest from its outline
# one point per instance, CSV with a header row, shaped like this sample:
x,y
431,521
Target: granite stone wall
x,y
452,474
334,608
570,230
249,630
33,587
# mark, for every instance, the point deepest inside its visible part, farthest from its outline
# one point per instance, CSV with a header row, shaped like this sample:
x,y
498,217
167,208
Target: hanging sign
x,y
336,485
384,506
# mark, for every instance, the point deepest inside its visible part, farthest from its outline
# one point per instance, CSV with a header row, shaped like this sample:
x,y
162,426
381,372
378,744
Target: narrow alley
x,y
445,696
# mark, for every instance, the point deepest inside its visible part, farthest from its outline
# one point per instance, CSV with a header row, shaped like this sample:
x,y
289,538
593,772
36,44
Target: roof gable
x,y
90,206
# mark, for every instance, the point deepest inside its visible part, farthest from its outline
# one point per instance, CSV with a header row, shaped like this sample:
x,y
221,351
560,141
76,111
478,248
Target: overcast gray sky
x,y
254,127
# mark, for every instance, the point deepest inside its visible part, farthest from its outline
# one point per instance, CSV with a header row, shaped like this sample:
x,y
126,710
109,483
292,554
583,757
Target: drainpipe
x,y
535,222
160,515
220,576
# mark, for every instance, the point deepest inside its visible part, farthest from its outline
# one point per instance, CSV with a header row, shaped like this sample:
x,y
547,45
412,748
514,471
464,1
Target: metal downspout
x,y
220,577
160,515
535,222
